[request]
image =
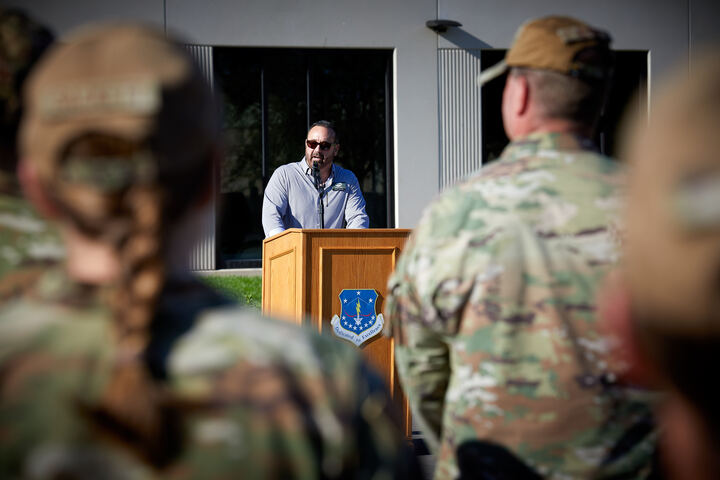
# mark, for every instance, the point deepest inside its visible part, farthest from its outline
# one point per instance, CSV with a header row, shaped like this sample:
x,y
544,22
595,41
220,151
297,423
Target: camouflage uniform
x,y
492,308
265,399
25,237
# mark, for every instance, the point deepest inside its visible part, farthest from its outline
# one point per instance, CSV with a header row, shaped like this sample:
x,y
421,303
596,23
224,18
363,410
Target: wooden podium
x,y
305,270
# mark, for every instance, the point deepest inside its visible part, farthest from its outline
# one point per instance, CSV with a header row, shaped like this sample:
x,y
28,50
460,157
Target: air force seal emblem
x,y
357,321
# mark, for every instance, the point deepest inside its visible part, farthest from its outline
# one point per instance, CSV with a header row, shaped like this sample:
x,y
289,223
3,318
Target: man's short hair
x,y
565,97
326,124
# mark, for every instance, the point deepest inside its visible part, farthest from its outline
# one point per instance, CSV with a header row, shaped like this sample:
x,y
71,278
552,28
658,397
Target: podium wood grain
x,y
304,272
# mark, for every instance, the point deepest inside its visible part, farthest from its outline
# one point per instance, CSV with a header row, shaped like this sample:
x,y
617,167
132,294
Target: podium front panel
x,y
350,268
304,272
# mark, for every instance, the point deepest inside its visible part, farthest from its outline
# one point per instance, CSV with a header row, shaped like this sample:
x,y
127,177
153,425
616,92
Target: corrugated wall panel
x,y
459,112
203,255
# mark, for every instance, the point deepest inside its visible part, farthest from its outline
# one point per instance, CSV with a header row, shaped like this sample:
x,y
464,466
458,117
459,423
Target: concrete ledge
x,y
230,272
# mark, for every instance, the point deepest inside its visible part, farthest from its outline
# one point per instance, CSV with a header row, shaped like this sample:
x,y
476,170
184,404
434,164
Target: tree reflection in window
x,y
271,97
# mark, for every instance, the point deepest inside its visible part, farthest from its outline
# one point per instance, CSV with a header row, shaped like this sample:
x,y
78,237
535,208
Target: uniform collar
x,y
551,141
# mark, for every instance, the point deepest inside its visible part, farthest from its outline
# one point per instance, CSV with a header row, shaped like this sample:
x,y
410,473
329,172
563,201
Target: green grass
x,y
247,290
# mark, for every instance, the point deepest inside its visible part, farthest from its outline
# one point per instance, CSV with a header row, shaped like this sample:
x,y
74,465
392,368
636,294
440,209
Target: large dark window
x,y
271,98
629,79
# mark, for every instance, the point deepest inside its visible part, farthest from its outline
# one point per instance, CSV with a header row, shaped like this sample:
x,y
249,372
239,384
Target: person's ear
x,y
522,95
33,189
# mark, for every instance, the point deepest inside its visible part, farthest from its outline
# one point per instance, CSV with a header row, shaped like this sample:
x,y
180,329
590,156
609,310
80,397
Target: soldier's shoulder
x,y
227,336
25,237
472,208
20,283
44,285
38,281
274,380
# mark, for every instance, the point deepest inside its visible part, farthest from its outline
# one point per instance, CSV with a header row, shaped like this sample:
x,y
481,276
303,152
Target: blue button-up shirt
x,y
290,200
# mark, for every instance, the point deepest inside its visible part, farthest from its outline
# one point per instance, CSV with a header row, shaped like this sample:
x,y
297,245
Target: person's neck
x,y
89,261
324,176
555,125
94,262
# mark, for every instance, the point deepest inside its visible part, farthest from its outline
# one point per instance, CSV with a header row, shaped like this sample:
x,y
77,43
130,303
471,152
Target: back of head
x,y
121,131
568,64
559,96
22,41
673,233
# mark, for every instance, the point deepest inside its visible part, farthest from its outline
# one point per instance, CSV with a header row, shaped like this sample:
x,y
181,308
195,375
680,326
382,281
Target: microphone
x,y
318,186
316,173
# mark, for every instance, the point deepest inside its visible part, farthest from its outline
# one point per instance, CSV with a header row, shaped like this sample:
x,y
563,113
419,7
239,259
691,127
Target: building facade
x,y
432,125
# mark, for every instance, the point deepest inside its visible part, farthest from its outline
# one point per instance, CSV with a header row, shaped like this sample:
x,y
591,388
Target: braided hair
x,y
122,166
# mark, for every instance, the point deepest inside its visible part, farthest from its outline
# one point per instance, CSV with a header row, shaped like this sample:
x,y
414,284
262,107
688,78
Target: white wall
x,y
669,29
659,26
65,15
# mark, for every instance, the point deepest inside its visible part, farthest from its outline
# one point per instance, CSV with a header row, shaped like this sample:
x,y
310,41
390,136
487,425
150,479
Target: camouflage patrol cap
x,y
673,213
122,80
560,44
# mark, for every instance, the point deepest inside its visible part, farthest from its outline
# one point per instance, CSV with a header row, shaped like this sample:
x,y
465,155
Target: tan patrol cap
x,y
125,80
558,44
673,210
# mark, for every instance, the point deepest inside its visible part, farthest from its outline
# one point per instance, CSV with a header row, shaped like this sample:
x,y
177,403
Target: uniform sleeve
x,y
421,355
275,203
429,291
355,216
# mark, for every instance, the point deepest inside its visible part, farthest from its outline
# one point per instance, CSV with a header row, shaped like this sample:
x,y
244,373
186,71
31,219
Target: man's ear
x,y
33,189
522,94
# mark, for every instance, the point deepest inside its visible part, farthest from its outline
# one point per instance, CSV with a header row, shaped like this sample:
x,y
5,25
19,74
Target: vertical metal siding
x,y
459,114
203,255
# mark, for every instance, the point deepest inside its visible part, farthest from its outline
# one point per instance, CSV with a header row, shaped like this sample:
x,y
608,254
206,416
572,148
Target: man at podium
x,y
314,192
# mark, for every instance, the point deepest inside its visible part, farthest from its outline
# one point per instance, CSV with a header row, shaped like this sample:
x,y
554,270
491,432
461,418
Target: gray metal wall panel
x,y
203,255
659,27
459,110
67,15
668,32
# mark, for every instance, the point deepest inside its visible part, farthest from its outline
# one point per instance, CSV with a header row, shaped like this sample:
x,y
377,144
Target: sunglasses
x,y
312,144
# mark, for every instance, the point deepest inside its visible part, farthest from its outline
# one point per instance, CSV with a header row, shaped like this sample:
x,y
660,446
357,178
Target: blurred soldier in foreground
x,y
120,365
668,312
24,236
492,304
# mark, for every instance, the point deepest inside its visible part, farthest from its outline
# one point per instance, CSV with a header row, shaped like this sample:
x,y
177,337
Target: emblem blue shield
x,y
357,321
